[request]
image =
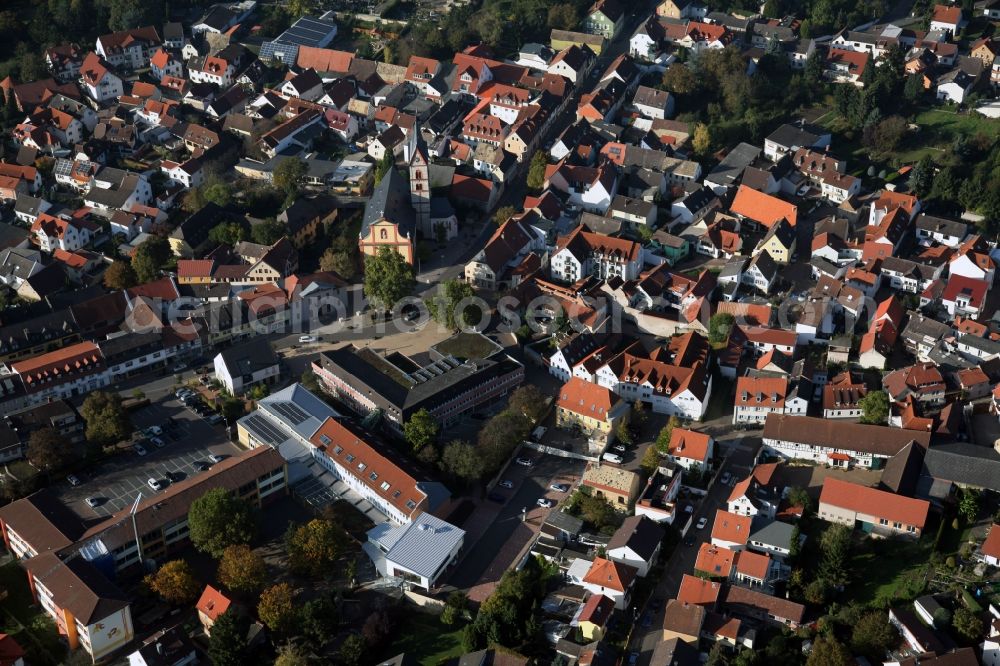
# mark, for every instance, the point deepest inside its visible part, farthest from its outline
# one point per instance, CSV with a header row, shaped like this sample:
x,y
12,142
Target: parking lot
x,y
116,483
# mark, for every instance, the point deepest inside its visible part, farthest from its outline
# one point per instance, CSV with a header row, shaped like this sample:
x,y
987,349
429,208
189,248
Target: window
x,y
410,504
362,466
385,485
350,458
385,234
373,476
883,521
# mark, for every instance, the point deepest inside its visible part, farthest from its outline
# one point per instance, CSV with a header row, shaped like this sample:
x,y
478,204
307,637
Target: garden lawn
x,y
885,569
423,638
938,129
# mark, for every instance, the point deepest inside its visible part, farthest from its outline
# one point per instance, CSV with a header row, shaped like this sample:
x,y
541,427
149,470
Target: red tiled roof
x,y
698,591
716,561
586,399
612,575
951,15
731,527
761,392
762,208
991,546
597,610
751,564
689,444
212,603
874,502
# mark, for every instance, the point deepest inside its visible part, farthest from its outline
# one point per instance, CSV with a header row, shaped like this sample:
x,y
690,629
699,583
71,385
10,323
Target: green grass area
x,y
423,638
886,570
938,129
28,624
468,345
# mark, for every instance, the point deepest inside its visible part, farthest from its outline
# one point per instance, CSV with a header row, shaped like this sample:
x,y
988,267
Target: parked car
x,y
496,497
215,458
201,465
153,430
612,458
506,484
93,502
545,503
140,449
307,338
73,479
157,442
527,462
620,448
689,508
155,484
701,523
689,540
559,487
205,380
174,476
215,418
181,392
725,478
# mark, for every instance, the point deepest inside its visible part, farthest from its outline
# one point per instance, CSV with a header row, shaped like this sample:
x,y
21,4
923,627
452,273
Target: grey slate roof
x,y
250,357
963,463
776,533
391,201
731,167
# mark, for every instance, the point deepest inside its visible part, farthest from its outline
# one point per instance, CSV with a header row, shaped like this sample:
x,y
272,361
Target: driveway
x,y
495,551
740,456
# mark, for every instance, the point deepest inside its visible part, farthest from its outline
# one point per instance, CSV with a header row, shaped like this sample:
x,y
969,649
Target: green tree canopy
x,y
528,400
462,460
828,651
503,213
227,233
175,583
218,519
313,548
241,569
719,327
289,174
835,544
388,277
421,429
536,171
227,646
873,635
442,305
106,419
120,275
875,408
48,450
277,609
387,162
267,232
968,625
149,258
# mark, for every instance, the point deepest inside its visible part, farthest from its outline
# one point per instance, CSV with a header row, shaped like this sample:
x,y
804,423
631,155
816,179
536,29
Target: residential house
x,y
836,442
846,66
961,296
129,49
683,621
419,552
583,253
612,579
62,233
619,487
757,494
636,543
778,242
169,646
923,382
790,137
757,397
590,188
947,19
100,82
211,604
876,512
758,606
604,18
842,399
930,229
730,530
242,367
593,616
594,409
653,103
762,209
691,450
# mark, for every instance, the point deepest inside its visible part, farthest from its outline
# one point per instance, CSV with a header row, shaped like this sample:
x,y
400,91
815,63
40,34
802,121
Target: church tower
x,y
420,182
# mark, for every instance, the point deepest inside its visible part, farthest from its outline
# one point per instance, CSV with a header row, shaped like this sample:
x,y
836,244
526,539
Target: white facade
x,y
237,385
99,638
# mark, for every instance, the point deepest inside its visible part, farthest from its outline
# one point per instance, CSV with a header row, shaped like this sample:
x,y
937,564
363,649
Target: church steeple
x,y
420,183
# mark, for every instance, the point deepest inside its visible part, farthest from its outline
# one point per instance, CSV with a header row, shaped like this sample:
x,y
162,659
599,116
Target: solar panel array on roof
x,y
291,412
307,31
263,430
271,51
63,167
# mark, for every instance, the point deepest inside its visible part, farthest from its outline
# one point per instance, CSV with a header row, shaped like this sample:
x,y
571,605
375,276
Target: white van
x,y
612,458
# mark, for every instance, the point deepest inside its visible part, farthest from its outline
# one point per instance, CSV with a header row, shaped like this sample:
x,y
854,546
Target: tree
x,y
288,176
218,192
462,460
527,399
536,171
387,162
817,591
875,408
313,548
352,650
292,655
388,277
106,419
650,460
968,625
319,619
454,608
969,505
503,213
719,327
338,261
227,233
218,519
175,583
443,304
149,258
227,645
828,651
241,569
421,429
922,176
563,17
594,510
885,136
666,434
701,141
799,496
48,450
914,89
232,409
873,635
120,275
835,544
267,232
277,608
679,79
377,627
